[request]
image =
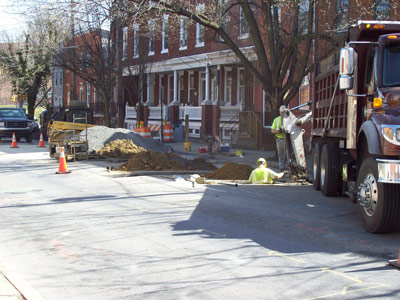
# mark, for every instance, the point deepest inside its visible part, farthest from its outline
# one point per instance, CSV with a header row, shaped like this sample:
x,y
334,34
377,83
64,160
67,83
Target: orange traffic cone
x,y
14,142
41,141
395,262
62,167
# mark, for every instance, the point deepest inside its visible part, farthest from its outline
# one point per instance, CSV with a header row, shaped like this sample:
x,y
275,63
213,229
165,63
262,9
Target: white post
x,y
175,100
149,100
207,98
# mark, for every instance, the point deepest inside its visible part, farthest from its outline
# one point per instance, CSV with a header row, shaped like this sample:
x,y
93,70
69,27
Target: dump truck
x,y
64,130
356,125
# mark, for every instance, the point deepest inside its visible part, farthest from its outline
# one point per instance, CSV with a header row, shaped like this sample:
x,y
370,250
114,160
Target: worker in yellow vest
x,y
262,174
277,129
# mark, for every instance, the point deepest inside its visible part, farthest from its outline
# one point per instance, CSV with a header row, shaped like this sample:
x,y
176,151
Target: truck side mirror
x,y
346,82
346,68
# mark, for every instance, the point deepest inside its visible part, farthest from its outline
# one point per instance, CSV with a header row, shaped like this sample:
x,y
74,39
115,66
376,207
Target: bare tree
x,y
282,34
28,62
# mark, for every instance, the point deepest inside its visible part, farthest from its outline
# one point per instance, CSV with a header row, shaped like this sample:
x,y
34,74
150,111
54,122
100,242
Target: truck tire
x,y
378,203
29,139
329,174
316,155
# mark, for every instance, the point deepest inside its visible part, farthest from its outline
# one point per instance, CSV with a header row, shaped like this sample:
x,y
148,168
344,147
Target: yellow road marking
x,y
285,256
345,290
342,275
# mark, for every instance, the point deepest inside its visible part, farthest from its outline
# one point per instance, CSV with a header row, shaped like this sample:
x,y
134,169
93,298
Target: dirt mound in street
x,y
152,161
120,149
231,171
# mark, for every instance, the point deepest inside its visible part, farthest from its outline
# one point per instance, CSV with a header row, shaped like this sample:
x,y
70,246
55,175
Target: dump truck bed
x,y
335,121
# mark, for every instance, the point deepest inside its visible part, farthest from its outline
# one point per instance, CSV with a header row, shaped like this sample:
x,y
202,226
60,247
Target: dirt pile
x,y
120,149
152,161
231,171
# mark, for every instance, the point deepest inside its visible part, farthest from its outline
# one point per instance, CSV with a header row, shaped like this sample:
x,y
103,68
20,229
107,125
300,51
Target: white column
x,y
207,98
175,100
149,91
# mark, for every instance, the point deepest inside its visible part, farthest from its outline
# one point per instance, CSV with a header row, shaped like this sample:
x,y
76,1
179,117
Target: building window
x,y
303,16
88,94
192,90
183,34
213,83
81,93
164,38
382,10
276,8
181,87
88,60
243,26
124,45
81,61
161,89
200,29
241,85
151,37
342,15
170,88
136,40
228,86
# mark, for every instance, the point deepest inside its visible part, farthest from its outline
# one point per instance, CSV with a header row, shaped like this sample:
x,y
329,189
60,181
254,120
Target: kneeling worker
x,y
262,174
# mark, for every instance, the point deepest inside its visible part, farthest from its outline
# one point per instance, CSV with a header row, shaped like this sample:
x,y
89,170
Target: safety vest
x,y
261,175
276,124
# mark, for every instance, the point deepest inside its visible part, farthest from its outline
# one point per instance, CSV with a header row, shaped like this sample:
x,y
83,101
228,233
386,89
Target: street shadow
x,y
294,219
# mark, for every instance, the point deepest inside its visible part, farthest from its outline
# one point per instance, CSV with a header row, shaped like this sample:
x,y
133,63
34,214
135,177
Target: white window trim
x,y
245,35
88,93
240,101
163,35
198,28
181,85
151,35
124,43
190,73
182,25
160,89
226,70
135,40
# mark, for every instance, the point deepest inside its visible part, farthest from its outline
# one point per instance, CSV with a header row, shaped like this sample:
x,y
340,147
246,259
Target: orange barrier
x,y
62,166
41,141
14,142
155,127
145,132
168,134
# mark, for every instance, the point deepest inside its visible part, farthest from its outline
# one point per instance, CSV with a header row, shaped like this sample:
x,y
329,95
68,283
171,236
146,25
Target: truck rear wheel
x,y
378,203
329,175
316,155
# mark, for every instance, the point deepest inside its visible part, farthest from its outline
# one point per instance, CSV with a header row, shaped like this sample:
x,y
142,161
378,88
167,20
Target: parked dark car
x,y
15,120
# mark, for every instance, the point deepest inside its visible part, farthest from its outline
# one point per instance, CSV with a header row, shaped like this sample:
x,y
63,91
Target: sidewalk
x,y
249,157
8,291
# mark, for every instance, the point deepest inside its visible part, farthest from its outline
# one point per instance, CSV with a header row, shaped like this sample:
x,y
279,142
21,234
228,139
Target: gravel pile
x,y
99,136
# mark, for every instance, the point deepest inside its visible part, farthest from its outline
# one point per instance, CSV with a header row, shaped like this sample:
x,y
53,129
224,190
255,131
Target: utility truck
x,y
356,125
64,130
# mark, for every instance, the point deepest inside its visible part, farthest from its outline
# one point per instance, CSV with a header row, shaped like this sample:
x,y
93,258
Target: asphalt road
x,y
93,235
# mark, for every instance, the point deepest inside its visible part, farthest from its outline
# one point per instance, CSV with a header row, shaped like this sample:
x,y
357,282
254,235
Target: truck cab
x,y
356,126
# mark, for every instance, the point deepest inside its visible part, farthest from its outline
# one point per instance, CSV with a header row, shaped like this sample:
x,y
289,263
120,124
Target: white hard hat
x,y
262,161
282,108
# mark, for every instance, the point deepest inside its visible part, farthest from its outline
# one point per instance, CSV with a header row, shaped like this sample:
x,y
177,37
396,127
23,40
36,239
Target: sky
x,y
10,21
